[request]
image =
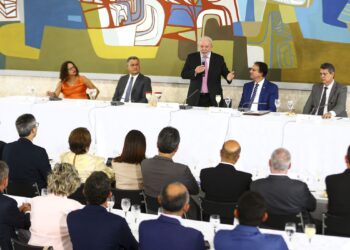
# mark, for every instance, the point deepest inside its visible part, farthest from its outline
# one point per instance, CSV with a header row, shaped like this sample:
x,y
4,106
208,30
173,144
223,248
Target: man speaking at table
x,y
204,69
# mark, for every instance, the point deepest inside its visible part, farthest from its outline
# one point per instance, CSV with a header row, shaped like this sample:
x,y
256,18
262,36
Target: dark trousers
x,y
204,100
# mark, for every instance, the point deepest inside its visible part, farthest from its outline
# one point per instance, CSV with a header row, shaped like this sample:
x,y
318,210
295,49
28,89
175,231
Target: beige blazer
x,y
127,176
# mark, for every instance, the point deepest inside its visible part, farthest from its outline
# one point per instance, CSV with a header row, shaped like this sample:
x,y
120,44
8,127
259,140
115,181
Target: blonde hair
x,y
63,180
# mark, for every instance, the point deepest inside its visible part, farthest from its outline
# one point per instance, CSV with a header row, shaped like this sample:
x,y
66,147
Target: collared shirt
x,y
208,58
173,216
255,104
325,108
227,163
278,174
126,87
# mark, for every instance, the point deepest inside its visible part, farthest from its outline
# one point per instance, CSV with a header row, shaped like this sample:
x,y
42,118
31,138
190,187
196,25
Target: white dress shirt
x,y
325,108
254,106
127,85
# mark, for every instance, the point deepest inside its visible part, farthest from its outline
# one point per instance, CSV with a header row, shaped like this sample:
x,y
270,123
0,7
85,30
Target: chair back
x,y
78,195
224,209
18,245
278,221
25,189
335,225
135,196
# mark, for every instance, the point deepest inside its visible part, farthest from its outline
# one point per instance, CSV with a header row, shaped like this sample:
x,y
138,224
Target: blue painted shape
x,y
242,9
332,10
312,25
41,13
250,17
75,19
237,29
180,15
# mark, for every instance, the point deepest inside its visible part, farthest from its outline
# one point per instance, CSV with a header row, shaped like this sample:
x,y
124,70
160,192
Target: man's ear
x,y
235,213
159,200
186,207
265,217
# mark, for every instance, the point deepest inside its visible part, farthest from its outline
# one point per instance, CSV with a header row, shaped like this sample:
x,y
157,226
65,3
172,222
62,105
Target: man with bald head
x,y
166,232
224,183
204,69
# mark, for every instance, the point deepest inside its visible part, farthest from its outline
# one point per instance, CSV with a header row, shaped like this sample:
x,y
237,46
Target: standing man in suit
x,y
338,186
224,183
260,94
27,162
327,99
93,227
11,216
166,232
133,87
284,196
251,211
204,69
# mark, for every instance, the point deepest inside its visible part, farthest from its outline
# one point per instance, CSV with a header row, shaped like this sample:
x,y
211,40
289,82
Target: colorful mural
x,y
292,36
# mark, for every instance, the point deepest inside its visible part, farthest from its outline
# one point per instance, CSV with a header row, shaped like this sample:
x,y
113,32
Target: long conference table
x,y
299,240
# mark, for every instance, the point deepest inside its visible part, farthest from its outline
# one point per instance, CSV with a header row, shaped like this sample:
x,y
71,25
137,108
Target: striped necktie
x,y
253,95
128,90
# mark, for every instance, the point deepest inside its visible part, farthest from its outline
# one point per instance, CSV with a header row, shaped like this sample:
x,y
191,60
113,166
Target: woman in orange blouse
x,y
73,85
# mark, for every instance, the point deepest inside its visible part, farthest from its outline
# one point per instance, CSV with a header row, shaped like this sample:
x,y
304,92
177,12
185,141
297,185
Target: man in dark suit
x,y
283,196
338,186
224,183
93,227
133,87
260,94
27,162
166,232
329,98
11,217
251,211
2,145
204,69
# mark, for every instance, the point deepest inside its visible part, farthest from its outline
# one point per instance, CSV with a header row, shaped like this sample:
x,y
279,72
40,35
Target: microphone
x,y
243,109
184,105
203,64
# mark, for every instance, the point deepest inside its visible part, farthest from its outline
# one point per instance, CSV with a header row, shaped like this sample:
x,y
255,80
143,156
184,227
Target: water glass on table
x,y
215,221
125,204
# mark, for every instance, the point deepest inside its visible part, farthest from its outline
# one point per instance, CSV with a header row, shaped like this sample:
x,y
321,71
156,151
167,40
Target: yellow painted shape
x,y
225,49
174,29
288,14
118,52
12,42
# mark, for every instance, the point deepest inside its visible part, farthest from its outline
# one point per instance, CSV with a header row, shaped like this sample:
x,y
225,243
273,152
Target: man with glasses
x,y
27,162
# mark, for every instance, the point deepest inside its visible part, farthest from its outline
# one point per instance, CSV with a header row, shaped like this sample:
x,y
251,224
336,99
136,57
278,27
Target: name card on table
x,y
305,118
220,110
168,105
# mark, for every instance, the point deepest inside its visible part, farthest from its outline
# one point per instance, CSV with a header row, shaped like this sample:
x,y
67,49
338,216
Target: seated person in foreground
x,y
79,144
251,211
166,232
93,227
127,166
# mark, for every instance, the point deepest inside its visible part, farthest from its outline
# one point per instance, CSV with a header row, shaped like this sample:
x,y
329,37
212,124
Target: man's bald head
x,y
174,197
230,151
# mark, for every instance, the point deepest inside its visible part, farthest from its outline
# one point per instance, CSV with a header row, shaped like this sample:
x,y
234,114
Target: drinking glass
x,y
277,104
125,204
310,231
148,96
218,99
290,229
227,101
158,95
110,203
214,221
136,211
44,192
290,105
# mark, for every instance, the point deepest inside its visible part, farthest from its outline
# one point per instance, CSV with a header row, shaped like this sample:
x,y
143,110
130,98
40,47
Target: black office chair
x,y
224,209
135,196
24,189
335,225
152,204
18,245
78,195
278,222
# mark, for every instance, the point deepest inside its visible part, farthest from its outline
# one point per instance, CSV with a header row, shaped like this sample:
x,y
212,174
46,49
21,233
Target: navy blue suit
x,y
27,162
93,227
248,238
166,233
268,95
10,219
2,145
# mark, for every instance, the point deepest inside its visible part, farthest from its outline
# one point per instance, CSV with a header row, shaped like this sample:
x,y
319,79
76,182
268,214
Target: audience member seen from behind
x,y
127,166
12,217
166,232
27,162
93,227
79,144
73,85
251,212
49,213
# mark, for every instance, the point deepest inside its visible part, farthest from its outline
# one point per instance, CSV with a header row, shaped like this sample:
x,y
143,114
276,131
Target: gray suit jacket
x,y
336,102
138,92
159,171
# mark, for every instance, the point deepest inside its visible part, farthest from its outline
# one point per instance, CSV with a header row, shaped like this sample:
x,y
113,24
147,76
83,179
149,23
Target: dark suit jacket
x,y
141,86
10,219
27,162
268,95
217,68
159,171
336,102
2,145
338,186
166,233
284,195
248,238
224,183
93,227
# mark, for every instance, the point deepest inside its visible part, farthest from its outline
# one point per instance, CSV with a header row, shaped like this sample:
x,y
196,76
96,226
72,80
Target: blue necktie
x,y
128,90
253,95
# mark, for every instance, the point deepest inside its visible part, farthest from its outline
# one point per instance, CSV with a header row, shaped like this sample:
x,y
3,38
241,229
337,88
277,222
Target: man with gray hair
x,y
283,195
27,162
11,216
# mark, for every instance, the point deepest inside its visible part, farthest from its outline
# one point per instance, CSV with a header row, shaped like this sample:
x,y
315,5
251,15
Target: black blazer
x,y
284,195
217,68
10,219
224,183
338,186
138,93
2,145
27,162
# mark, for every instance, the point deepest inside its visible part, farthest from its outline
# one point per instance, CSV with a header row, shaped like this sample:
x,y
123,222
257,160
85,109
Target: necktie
x,y
204,88
128,90
323,102
253,95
